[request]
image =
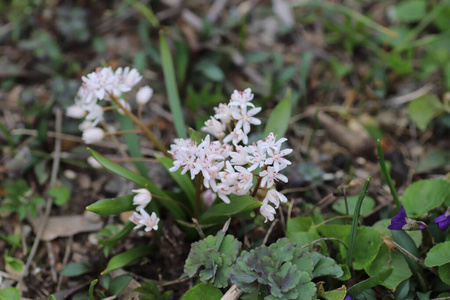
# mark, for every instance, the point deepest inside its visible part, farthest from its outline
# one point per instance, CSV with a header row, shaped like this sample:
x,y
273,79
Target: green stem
x,y
141,125
351,243
388,178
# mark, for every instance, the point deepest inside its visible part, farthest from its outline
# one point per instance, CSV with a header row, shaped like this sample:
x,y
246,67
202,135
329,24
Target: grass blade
x,y
351,243
171,87
388,178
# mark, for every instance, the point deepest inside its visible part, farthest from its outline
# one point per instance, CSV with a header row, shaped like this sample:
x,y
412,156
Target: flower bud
x,y
144,95
92,135
75,111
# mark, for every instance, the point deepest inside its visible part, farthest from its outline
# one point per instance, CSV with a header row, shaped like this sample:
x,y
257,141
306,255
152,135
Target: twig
x,y
65,260
48,205
51,258
410,255
269,231
198,228
233,293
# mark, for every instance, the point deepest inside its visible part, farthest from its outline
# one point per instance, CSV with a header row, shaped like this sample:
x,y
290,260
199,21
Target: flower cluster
x,y
103,84
140,217
229,165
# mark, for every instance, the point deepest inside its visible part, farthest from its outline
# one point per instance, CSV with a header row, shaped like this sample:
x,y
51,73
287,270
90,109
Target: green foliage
x,y
213,258
61,195
279,119
9,293
283,269
20,199
367,205
76,269
425,195
112,206
424,109
438,255
203,291
149,291
124,258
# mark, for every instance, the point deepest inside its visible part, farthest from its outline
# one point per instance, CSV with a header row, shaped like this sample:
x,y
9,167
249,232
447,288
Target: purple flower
x,y
401,222
348,297
443,220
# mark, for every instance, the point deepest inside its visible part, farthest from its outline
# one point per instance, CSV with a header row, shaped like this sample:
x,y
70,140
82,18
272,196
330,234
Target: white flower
x,y
267,211
85,125
127,78
144,95
215,128
144,219
241,98
125,104
239,157
269,177
276,158
245,118
99,83
275,197
95,114
149,221
223,113
236,136
93,135
142,198
257,155
75,111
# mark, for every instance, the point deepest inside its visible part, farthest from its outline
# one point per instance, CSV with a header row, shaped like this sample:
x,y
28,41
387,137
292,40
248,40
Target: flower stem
x,y
174,201
141,125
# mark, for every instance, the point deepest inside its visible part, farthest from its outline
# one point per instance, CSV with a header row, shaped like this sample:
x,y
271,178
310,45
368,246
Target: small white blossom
x,y
125,104
94,163
223,113
267,211
239,157
245,118
269,177
95,114
144,95
142,198
144,219
276,158
75,111
257,155
93,135
275,197
236,136
215,128
85,125
241,98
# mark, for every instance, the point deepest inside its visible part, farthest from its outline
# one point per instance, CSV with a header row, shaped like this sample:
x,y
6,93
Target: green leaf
x,y
381,227
9,293
434,160
410,11
222,211
425,195
141,181
390,258
183,180
203,291
279,118
119,283
91,289
438,255
369,283
61,195
423,110
109,243
366,207
112,206
444,273
171,87
325,266
123,259
210,70
75,269
14,263
194,136
336,294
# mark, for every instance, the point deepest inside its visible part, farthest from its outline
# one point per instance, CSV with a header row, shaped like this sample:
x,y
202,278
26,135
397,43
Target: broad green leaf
x,y
438,255
61,195
390,258
369,283
141,181
9,293
203,291
210,70
424,195
336,294
75,269
279,119
433,160
222,211
366,207
444,273
123,259
119,283
410,11
112,206
183,180
423,110
171,86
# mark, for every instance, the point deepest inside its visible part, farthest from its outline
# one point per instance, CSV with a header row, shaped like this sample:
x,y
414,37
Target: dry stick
x,y
65,260
51,258
407,253
141,125
269,231
48,205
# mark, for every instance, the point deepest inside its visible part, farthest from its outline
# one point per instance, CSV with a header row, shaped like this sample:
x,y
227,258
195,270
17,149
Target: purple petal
x,y
348,297
444,224
399,220
440,219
